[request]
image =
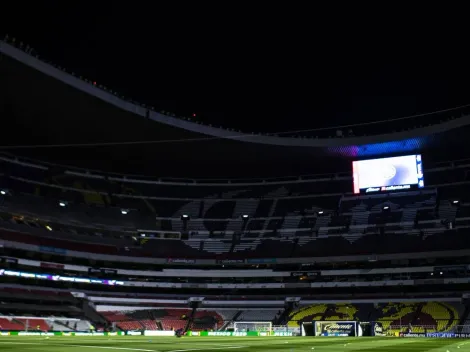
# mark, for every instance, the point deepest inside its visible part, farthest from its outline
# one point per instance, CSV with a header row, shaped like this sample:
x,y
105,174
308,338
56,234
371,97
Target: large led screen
x,y
388,174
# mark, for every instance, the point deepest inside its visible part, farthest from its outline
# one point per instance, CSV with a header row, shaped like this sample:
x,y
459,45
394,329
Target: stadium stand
x,y
34,324
308,313
258,315
9,324
83,249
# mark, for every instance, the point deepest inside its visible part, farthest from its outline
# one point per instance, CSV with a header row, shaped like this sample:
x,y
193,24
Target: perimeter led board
x,y
388,174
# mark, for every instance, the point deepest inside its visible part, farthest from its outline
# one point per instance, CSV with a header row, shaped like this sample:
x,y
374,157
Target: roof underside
x,y
40,110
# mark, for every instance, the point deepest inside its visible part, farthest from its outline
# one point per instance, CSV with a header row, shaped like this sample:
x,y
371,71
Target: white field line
x,y
207,349
61,344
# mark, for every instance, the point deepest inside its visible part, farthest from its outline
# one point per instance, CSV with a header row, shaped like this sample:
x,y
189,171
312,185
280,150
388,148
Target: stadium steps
x,y
148,205
321,225
225,325
190,319
291,221
414,320
294,247
360,215
217,247
327,310
284,316
270,214
247,206
61,323
235,241
91,314
201,209
237,315
464,316
447,211
408,218
232,247
22,323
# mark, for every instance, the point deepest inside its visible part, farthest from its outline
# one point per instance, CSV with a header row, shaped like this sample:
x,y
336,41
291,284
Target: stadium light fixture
x,y
245,216
185,217
455,202
320,212
386,207
124,211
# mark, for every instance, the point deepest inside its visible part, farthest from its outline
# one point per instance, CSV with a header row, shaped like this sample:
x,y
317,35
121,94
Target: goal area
x,y
245,326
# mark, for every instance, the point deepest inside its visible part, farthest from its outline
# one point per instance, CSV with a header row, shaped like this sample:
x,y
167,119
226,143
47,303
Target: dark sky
x,y
264,69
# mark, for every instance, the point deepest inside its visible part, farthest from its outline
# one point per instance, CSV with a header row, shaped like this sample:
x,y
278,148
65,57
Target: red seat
x,y
34,323
6,324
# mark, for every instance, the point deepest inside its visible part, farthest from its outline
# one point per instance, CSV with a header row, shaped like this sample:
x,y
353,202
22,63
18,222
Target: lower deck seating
x,y
34,324
432,316
129,325
61,326
307,313
207,320
258,315
170,319
149,324
8,324
115,316
466,327
340,312
227,315
394,314
169,324
174,319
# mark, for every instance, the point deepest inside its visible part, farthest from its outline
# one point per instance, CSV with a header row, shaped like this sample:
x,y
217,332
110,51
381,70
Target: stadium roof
x,y
88,126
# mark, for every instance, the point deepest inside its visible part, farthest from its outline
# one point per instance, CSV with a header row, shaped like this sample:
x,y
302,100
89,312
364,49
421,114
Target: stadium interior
x,y
85,250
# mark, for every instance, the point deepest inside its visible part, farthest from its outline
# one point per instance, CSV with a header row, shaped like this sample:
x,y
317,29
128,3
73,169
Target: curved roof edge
x,y
147,112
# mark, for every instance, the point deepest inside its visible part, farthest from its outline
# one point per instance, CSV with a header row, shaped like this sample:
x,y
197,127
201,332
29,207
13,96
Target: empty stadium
x,y
107,249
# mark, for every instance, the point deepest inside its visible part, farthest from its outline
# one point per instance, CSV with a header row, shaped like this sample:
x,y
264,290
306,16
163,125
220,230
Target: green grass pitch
x,y
241,344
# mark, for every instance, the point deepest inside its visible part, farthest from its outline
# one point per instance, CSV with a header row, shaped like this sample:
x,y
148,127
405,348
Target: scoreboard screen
x,y
388,174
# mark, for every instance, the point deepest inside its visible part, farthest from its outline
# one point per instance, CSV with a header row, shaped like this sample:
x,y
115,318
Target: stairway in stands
x,y
414,320
91,313
270,214
294,247
408,217
16,321
284,316
447,211
61,323
465,315
190,319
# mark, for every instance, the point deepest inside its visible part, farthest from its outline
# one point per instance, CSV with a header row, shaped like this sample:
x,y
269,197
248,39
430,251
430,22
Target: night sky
x,y
267,69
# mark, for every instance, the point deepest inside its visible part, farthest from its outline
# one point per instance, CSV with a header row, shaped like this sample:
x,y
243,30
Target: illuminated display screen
x,y
4,272
388,174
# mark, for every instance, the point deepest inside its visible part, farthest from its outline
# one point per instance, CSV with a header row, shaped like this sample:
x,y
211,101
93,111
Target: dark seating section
x,y
305,246
169,319
434,316
316,216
